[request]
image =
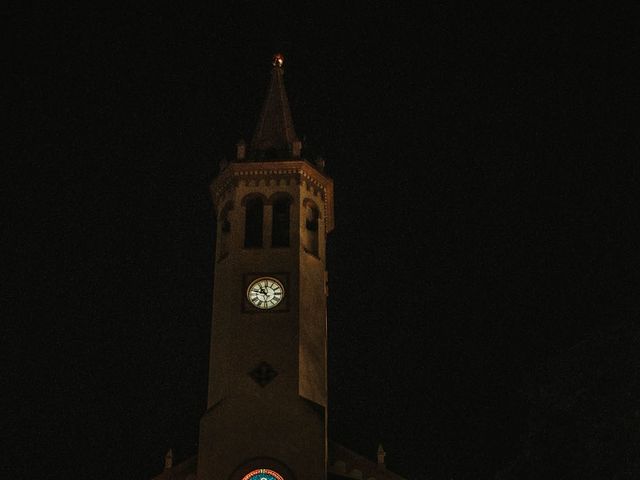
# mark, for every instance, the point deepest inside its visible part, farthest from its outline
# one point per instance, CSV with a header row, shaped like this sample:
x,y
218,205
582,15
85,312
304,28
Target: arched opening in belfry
x,y
280,227
254,214
310,230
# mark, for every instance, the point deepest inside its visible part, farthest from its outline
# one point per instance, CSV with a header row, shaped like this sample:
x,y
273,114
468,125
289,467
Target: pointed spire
x,y
381,455
274,133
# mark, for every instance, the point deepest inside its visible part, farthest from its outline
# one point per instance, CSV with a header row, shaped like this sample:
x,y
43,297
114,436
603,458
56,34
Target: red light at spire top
x,y
278,60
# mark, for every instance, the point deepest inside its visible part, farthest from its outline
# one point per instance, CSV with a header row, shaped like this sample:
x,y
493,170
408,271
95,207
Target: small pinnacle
x,y
381,455
168,459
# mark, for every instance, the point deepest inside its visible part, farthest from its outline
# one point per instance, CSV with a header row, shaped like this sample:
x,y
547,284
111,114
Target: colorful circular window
x,y
262,474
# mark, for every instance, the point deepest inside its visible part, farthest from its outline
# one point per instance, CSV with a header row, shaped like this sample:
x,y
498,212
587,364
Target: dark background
x,y
485,159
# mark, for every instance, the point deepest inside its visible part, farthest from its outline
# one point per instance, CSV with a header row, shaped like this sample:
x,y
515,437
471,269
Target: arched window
x,y
280,222
310,231
253,222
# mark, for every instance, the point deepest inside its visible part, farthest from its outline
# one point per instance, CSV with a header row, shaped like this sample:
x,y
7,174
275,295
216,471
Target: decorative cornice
x,y
300,170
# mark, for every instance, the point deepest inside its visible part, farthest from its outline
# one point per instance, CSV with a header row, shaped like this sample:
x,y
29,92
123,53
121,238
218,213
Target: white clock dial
x,y
265,292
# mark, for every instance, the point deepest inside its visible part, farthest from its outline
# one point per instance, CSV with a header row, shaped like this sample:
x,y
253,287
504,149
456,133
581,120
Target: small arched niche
x,y
310,229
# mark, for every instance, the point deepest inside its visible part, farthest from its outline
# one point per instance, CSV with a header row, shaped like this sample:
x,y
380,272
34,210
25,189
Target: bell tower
x,y
267,400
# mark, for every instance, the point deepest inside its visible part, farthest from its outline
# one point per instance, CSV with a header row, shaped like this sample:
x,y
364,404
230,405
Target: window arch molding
x,y
279,196
253,196
307,202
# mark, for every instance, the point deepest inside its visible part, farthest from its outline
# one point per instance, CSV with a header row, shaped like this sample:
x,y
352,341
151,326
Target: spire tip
x,y
278,60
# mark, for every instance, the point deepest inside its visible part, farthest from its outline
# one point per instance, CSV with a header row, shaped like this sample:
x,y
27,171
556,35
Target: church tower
x,y
267,397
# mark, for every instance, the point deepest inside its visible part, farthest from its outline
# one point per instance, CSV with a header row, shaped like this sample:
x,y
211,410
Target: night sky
x,y
485,164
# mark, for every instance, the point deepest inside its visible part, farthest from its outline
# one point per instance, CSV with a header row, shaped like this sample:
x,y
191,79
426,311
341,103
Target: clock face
x,y
263,474
265,293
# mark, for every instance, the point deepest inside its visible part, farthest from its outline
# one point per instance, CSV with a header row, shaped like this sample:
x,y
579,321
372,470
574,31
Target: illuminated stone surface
x,y
267,397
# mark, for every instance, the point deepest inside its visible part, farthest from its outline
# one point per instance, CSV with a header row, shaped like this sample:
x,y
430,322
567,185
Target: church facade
x,y
266,416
